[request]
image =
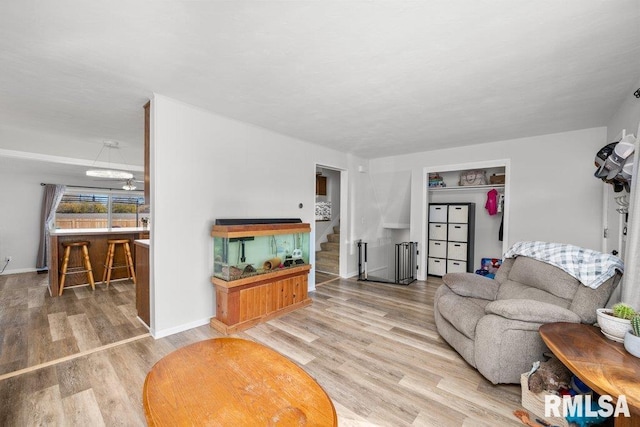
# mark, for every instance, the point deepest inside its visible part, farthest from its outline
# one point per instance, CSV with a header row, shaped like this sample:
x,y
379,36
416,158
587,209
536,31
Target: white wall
x,y
554,196
214,167
393,195
19,220
627,116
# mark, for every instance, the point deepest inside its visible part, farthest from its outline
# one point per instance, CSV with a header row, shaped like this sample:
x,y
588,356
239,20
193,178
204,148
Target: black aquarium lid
x,y
246,221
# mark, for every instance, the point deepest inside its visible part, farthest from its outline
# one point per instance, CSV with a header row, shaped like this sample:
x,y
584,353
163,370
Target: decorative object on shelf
x,y
632,337
109,172
473,177
497,179
613,323
436,181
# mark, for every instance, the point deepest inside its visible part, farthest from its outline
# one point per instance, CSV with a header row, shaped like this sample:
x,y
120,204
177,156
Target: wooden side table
x,y
233,382
602,364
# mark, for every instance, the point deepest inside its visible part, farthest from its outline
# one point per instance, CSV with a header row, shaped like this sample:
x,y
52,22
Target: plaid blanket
x,y
590,267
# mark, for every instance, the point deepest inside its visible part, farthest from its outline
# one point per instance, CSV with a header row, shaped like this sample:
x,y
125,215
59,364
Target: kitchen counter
x,y
97,238
91,231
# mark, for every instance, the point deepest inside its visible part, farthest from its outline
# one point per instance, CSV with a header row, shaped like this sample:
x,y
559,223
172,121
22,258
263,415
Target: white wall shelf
x,y
466,187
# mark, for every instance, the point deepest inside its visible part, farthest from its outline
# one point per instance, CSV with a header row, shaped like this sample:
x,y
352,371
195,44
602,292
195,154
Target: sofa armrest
x,y
528,310
471,285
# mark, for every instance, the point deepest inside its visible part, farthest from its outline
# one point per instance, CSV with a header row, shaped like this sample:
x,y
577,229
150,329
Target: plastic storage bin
x,y
437,231
458,213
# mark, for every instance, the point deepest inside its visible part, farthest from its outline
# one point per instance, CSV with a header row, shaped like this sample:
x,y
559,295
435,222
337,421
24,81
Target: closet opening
x,y
465,217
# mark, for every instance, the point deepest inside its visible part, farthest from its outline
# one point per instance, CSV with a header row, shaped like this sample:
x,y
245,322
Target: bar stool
x,y
108,264
85,268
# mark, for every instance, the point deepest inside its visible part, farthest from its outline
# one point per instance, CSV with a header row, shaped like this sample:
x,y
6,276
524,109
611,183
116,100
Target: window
x,y
104,209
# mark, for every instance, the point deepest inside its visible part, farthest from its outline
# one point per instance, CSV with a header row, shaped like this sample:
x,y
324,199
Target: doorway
x,y
330,205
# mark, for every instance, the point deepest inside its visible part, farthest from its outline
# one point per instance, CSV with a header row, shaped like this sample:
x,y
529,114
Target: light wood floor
x,y
373,347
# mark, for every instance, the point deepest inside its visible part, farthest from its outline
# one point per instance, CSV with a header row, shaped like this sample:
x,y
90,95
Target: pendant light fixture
x,y
109,173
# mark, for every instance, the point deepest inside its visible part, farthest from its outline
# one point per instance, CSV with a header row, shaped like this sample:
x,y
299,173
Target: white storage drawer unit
x,y
437,231
438,213
458,232
454,266
451,231
458,214
437,266
437,249
457,251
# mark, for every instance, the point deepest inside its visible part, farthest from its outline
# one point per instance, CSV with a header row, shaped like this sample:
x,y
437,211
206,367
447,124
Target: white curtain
x,y
630,290
50,201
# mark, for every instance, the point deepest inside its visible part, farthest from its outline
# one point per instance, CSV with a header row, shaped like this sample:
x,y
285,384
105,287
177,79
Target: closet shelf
x,y
466,187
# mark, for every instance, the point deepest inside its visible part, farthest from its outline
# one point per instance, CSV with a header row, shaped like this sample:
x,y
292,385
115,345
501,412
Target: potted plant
x,y
614,323
632,337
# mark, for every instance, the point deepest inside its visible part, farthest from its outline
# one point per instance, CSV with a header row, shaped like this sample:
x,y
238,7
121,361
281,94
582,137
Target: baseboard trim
x,y
19,270
180,328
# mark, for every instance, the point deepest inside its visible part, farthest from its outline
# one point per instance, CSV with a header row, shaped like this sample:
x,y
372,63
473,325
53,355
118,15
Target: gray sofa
x,y
493,324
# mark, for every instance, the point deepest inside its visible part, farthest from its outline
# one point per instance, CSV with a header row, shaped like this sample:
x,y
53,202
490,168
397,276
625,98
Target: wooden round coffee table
x,y
233,382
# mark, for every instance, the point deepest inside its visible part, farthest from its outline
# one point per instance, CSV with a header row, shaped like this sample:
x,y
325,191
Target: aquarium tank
x,y
246,250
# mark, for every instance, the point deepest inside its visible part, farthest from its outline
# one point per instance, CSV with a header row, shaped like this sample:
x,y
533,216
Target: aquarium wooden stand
x,y
244,303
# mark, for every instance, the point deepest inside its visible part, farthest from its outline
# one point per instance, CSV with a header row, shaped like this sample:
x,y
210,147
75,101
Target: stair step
x,y
333,238
327,267
328,246
336,229
327,255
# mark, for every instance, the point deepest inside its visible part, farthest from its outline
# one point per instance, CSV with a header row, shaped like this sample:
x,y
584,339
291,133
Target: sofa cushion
x,y
462,312
516,290
543,276
471,285
531,311
587,298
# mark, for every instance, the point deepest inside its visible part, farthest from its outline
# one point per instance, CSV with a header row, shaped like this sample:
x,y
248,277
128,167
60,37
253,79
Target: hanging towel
x,y
492,202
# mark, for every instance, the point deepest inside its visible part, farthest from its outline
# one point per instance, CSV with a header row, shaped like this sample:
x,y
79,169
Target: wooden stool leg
x,y
127,251
106,264
87,266
112,252
63,270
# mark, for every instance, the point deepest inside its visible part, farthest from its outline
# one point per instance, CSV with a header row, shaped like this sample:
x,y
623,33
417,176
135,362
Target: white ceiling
x,y
373,78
